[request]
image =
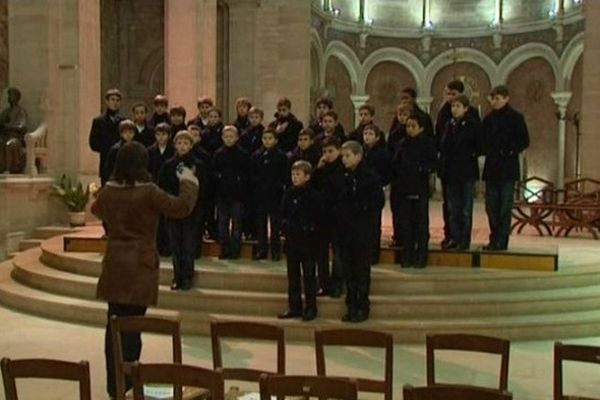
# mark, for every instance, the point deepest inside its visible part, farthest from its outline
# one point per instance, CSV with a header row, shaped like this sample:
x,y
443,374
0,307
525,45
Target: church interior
x,y
64,56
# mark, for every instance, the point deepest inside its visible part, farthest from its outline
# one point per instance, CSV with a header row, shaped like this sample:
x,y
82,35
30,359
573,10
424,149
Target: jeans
x,y
460,210
499,198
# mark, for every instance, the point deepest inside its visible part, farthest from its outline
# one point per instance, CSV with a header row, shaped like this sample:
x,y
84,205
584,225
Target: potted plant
x,y
75,197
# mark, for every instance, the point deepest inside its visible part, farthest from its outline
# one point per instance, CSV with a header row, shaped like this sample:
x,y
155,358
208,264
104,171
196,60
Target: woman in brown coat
x,y
130,206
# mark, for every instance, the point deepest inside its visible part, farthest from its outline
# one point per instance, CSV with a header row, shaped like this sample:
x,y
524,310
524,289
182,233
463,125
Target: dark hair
x,y
15,91
331,141
354,147
456,85
331,114
375,129
112,92
462,99
256,110
242,101
302,165
410,91
217,110
126,124
204,100
419,118
307,132
500,90
284,102
367,107
131,164
139,104
324,100
163,127
271,131
161,99
193,126
177,110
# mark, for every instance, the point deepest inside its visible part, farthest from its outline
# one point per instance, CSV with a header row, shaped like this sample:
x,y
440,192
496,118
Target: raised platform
x,y
540,258
408,303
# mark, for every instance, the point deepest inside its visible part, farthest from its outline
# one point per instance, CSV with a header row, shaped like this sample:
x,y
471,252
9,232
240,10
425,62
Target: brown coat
x,y
131,214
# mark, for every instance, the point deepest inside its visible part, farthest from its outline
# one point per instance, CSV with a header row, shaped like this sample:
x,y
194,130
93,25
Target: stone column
x,y
357,101
562,101
590,97
190,51
425,103
242,36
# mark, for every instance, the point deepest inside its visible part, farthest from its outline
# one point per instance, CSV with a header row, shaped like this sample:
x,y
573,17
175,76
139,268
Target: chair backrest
x,y
177,375
571,352
307,386
359,338
584,187
45,369
534,190
466,342
250,331
120,325
449,392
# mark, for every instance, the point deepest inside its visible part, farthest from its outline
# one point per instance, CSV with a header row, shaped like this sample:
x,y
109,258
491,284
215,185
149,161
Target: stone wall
x,y
3,45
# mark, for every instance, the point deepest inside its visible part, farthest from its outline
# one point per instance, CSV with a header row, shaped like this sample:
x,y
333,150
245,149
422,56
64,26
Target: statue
x,y
13,126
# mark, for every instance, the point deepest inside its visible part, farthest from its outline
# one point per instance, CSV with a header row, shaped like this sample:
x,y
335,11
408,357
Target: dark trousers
x,y
414,232
132,344
209,219
163,244
184,237
301,261
356,261
323,276
446,210
376,249
460,208
498,206
250,218
229,216
394,202
268,216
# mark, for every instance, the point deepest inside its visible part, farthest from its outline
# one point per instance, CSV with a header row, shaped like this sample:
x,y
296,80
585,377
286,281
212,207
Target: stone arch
x,y
464,54
569,58
316,44
346,55
526,52
396,55
151,73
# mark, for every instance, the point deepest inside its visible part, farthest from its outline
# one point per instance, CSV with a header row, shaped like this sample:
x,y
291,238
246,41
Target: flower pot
x,y
77,218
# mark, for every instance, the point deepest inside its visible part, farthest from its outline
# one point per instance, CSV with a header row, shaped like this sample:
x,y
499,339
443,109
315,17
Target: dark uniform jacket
x,y
445,115
505,135
212,138
358,210
145,136
156,119
412,164
241,123
312,155
130,264
270,177
397,133
177,128
111,159
197,120
301,213
168,181
232,169
380,161
103,135
156,159
251,138
329,181
459,147
339,133
288,139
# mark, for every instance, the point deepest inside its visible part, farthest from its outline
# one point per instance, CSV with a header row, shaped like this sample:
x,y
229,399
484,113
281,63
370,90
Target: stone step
x,y
46,232
26,244
30,271
557,325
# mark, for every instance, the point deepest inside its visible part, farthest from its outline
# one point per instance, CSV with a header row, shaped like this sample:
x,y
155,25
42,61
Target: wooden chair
x,y
205,381
359,338
533,205
250,331
45,369
144,325
451,392
571,352
466,342
307,386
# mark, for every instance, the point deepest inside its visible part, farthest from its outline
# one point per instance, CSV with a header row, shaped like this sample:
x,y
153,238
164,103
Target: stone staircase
x,y
409,303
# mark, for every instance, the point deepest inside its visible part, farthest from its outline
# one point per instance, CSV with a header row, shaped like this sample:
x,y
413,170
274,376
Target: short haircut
x,y
177,110
501,90
126,124
131,164
139,104
256,110
353,146
231,128
302,165
456,85
163,127
367,107
325,101
375,129
284,102
462,99
217,110
242,101
307,132
331,114
161,99
204,100
16,92
410,91
183,134
332,141
270,131
193,126
419,118
112,92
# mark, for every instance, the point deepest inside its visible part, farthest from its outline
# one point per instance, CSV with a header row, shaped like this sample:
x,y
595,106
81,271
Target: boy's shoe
x,y
405,265
290,314
449,245
309,314
186,284
491,247
259,255
276,257
335,293
234,256
349,317
463,247
321,292
174,285
360,316
421,264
